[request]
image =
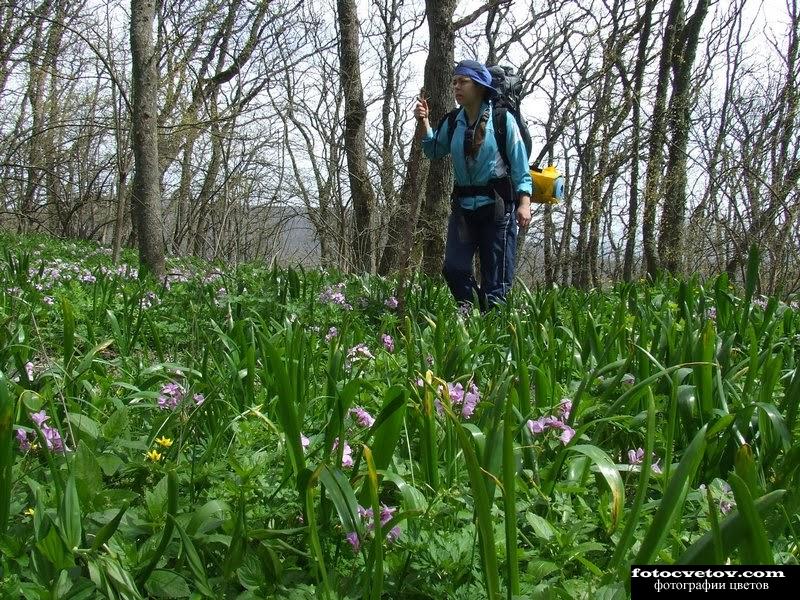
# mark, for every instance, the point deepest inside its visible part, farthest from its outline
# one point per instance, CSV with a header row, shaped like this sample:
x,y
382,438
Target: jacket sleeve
x,y
517,157
435,142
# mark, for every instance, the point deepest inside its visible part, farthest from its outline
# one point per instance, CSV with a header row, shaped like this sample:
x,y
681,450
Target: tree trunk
x,y
355,117
438,73
401,229
670,239
145,196
658,135
633,202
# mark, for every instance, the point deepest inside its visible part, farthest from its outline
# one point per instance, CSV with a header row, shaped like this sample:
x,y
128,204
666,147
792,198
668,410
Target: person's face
x,y
465,90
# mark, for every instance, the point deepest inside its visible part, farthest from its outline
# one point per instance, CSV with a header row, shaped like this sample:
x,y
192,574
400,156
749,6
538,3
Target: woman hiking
x,y
490,200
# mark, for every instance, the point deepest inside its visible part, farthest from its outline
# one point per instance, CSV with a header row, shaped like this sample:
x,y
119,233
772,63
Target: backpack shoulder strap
x,y
450,118
499,121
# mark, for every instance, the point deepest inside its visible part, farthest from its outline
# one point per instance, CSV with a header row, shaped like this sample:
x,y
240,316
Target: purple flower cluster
x,y
388,342
171,396
62,271
149,299
368,519
636,457
711,313
335,295
391,303
362,416
22,439
52,437
542,424
760,303
725,503
467,399
347,453
359,352
332,333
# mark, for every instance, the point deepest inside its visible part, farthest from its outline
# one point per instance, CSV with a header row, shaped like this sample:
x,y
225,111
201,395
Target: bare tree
x,y
146,197
683,56
355,117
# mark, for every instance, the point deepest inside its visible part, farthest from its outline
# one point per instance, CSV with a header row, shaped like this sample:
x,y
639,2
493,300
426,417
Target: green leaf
x,y
388,425
343,497
82,589
286,406
236,549
610,473
108,529
745,465
734,529
169,527
167,584
413,499
6,451
541,527
482,509
116,424
71,515
109,463
308,479
53,549
69,331
641,489
201,521
672,501
86,425
757,535
195,564
375,559
88,477
510,493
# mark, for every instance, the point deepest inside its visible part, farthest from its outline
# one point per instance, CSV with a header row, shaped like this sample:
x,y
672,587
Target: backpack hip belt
x,y
500,186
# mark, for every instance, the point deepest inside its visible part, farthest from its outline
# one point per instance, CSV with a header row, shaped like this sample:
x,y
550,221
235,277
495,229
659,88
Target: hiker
x,y
490,199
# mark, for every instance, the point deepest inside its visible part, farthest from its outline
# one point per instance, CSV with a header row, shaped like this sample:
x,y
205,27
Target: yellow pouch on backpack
x,y
548,185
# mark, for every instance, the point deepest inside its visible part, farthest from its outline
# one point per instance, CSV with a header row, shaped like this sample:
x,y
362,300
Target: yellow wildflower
x,y
29,511
164,441
154,455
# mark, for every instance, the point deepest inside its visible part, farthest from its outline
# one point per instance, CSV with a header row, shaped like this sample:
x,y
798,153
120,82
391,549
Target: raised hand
x,y
421,108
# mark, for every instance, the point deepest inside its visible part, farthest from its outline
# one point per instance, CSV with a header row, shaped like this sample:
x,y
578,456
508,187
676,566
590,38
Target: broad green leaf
x,y
201,520
6,451
70,515
109,529
388,425
609,471
734,529
167,584
482,509
84,424
632,521
672,501
541,527
756,535
343,497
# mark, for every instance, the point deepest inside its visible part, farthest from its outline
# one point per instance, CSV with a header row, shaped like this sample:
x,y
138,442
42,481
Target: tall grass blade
x,y
672,501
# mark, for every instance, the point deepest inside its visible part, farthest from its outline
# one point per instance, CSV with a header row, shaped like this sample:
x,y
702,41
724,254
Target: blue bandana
x,y
475,71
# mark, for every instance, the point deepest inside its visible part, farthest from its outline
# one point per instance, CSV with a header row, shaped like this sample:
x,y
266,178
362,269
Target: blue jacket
x,y
489,164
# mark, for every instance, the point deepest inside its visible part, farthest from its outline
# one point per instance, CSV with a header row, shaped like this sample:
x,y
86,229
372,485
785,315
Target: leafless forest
x,y
282,130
